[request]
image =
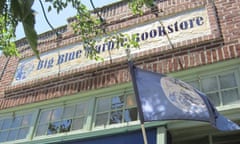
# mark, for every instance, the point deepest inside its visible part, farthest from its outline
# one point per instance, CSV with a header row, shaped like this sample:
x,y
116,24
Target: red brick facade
x,y
221,45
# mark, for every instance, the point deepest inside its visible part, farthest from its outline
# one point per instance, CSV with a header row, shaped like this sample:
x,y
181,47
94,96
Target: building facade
x,y
67,98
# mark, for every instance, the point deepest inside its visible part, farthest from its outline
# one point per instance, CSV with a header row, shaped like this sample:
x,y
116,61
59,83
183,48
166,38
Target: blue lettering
x,y
50,63
60,59
71,56
45,63
183,25
66,57
161,31
40,64
137,37
153,33
170,29
98,48
78,53
176,26
103,48
110,45
191,22
144,36
200,21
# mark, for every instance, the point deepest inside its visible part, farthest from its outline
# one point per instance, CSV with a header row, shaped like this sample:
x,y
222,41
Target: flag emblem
x,y
182,95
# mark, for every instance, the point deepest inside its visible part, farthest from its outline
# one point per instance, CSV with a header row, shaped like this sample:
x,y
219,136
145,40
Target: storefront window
x,y
115,109
222,88
62,119
15,127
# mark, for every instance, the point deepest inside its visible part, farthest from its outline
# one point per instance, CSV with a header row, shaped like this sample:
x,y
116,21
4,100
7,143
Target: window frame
x,y
195,74
116,125
33,112
62,104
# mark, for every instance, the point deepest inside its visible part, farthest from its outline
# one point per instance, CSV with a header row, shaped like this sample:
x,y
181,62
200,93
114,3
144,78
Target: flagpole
x,y
130,65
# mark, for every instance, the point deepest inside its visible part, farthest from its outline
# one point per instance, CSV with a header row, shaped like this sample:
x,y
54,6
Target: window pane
x,y
59,127
101,119
78,124
230,96
53,128
27,120
117,102
7,123
57,114
227,81
45,116
3,136
41,130
194,84
130,115
22,133
209,84
130,101
214,97
17,122
69,111
81,109
62,119
12,135
103,104
116,117
65,125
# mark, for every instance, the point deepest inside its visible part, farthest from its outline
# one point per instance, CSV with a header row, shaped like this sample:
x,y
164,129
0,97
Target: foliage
x,y
7,28
88,25
136,5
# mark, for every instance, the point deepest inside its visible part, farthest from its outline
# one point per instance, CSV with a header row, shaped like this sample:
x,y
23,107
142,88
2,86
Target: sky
x,y
55,19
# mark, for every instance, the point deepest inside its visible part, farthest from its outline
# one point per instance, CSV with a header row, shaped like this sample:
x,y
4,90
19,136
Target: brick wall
x,y
223,44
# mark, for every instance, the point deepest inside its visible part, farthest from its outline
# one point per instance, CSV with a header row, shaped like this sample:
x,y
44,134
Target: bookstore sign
x,y
179,27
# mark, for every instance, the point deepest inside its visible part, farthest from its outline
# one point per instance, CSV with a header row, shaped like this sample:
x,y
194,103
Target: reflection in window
x,y
15,127
59,127
62,119
115,109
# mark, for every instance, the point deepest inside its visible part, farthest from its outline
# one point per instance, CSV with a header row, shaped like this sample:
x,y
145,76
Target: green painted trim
x,y
71,98
224,65
125,128
161,135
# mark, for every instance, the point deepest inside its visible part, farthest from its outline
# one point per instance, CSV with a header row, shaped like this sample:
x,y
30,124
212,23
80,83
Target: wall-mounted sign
x,y
180,27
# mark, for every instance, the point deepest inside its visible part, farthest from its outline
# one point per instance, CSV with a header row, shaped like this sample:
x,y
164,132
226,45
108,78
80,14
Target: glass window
x,y
221,88
115,109
62,119
15,127
227,81
195,84
209,84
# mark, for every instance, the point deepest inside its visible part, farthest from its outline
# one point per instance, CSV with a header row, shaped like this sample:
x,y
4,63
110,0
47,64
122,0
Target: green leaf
x,y
31,34
22,10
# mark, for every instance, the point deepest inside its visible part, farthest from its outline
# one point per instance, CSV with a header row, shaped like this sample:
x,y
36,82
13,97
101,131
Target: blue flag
x,y
164,98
